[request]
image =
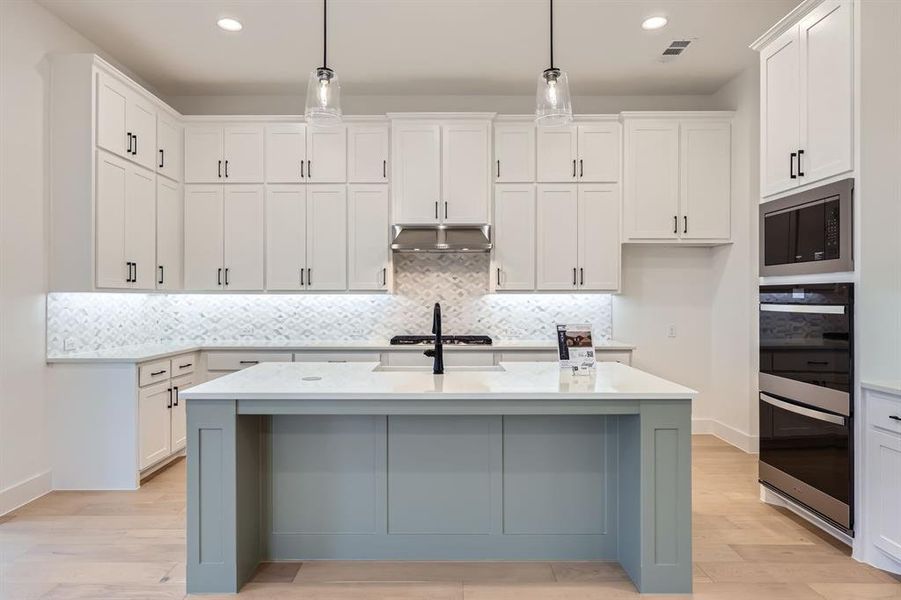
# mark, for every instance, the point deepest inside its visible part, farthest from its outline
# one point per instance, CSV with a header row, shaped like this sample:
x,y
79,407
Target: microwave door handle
x,y
803,411
813,309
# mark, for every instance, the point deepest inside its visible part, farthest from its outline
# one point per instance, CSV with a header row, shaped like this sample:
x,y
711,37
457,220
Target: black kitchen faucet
x,y
438,351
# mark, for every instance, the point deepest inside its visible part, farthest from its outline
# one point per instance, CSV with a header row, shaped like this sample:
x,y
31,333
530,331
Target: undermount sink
x,y
428,369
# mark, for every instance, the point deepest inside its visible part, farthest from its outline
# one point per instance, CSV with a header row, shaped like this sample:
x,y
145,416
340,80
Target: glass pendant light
x,y
553,104
323,108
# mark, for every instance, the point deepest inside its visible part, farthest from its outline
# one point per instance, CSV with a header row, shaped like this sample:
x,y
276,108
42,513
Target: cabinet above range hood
x,y
441,238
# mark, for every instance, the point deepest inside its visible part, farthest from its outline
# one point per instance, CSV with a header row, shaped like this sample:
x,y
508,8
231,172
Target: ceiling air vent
x,y
676,47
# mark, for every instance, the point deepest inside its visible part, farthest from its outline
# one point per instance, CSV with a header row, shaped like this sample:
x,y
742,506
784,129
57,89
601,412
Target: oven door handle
x,y
817,309
803,411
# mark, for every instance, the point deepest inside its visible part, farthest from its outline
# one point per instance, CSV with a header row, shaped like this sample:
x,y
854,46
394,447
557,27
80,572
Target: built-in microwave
x,y
808,232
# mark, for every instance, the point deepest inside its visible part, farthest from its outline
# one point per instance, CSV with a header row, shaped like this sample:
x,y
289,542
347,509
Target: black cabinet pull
x,y
128,149
169,405
176,395
162,159
226,169
155,373
161,275
226,275
685,224
301,169
135,151
498,169
309,169
384,276
384,169
581,168
445,209
800,169
248,362
574,276
818,362
791,165
134,275
219,277
675,224
436,209
185,366
301,276
581,276
498,277
219,170
309,276
574,167
895,417
127,272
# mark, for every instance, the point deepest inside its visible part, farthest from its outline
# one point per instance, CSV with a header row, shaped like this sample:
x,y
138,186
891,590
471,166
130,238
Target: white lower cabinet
x,y
882,480
514,237
368,237
178,423
224,238
154,406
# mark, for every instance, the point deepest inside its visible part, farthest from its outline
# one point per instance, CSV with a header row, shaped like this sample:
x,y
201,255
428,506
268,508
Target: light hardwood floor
x,y
115,545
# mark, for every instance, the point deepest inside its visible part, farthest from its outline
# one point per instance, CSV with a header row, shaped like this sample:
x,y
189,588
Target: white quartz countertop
x,y
147,352
364,381
888,386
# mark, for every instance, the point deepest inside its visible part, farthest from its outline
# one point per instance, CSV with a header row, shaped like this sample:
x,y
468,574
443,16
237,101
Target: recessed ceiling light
x,y
652,23
229,24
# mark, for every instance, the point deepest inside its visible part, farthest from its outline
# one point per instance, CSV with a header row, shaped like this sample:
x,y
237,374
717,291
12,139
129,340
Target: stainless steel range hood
x,y
441,238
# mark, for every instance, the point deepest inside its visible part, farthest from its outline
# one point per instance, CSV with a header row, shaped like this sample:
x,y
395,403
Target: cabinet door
x,y
286,237
466,182
651,204
557,237
243,238
514,153
243,154
415,172
514,237
706,189
111,267
557,149
368,237
140,226
170,147
154,406
141,122
178,425
367,153
326,237
599,243
326,155
286,152
170,234
780,113
827,92
112,106
600,148
203,154
203,237
884,490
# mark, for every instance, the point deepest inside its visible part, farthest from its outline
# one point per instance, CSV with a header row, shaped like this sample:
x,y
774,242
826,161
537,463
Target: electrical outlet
x,y
69,344
671,331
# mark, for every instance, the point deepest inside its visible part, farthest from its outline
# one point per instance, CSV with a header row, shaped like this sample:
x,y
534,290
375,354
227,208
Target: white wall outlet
x,y
69,344
671,331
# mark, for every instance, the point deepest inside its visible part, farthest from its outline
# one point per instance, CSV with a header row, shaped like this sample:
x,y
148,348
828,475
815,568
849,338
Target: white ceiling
x,y
396,47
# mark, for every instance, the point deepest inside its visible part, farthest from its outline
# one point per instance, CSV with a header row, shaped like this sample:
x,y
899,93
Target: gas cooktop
x,y
466,340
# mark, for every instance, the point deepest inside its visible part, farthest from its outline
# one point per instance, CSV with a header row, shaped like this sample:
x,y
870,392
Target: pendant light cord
x,y
552,34
325,33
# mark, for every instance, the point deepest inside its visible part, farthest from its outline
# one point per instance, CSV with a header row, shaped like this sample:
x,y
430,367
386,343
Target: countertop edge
x,y
886,387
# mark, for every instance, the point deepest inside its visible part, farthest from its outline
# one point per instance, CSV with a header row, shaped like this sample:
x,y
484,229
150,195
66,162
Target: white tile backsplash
x,y
458,281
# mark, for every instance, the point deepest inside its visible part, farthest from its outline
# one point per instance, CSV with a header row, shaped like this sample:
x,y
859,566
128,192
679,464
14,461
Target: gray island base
x,y
291,461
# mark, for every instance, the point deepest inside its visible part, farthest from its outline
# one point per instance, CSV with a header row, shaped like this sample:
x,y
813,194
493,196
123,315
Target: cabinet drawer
x,y
182,365
451,359
337,357
235,361
529,356
153,372
881,408
619,356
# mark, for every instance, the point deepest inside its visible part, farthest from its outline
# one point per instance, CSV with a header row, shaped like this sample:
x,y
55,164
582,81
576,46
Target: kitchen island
x,y
518,461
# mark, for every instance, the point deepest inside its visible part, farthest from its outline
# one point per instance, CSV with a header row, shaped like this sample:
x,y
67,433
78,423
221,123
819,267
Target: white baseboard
x,y
24,492
740,439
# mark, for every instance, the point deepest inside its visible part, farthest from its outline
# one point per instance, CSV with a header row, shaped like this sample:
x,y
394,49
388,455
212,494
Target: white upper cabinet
x,y
416,171
126,121
224,154
514,152
286,242
326,237
326,155
706,180
807,91
466,179
170,234
125,229
368,237
558,149
203,237
170,146
557,241
598,237
514,237
600,149
243,238
286,152
651,203
367,153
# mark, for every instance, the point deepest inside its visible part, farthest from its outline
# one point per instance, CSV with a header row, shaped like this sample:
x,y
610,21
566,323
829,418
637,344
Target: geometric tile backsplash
x,y
96,321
